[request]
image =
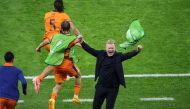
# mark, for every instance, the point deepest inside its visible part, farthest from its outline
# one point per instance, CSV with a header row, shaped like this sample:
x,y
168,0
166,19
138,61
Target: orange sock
x,y
76,89
53,95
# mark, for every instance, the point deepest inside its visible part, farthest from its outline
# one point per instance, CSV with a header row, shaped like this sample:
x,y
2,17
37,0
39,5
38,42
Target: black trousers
x,y
102,93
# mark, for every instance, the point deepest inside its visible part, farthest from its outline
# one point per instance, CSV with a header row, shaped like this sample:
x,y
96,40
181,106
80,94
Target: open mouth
x,y
110,51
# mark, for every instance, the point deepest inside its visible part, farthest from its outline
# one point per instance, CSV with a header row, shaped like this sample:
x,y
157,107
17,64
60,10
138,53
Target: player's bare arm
x,y
42,44
74,29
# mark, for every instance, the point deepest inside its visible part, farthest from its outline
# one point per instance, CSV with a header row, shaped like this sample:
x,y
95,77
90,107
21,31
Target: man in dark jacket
x,y
109,72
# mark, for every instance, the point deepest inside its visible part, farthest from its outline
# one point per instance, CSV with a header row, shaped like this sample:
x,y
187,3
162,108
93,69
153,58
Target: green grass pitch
x,y
166,48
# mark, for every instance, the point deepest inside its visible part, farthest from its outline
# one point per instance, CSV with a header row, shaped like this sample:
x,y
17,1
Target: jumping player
x,y
61,57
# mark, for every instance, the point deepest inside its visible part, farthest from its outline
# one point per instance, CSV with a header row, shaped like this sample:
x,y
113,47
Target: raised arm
x,y
74,29
90,50
131,54
42,44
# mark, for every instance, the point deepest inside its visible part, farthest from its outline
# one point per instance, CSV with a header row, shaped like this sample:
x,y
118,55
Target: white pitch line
x,y
20,101
158,99
81,100
158,75
128,76
31,77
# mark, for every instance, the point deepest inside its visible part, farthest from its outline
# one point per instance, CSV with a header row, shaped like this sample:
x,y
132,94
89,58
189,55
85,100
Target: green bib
x,y
58,46
134,34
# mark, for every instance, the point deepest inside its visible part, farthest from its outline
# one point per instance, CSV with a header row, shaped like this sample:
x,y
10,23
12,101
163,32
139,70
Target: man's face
x,y
110,49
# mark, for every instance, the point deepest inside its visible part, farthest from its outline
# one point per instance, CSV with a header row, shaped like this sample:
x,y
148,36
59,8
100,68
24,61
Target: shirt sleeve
x,y
73,43
23,80
90,50
125,56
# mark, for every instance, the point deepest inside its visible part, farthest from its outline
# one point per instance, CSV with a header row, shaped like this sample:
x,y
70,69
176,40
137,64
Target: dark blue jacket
x,y
9,76
118,56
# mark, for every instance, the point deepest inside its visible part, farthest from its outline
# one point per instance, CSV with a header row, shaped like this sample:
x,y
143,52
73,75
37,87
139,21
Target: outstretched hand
x,y
38,49
139,47
80,37
24,92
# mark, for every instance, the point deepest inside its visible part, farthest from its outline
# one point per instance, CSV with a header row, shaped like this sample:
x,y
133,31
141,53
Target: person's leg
x,y
77,84
11,104
2,103
67,67
37,80
59,79
76,90
51,102
48,70
111,98
99,97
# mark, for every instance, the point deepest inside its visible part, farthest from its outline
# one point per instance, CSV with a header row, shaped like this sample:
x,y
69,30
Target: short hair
x,y
110,41
65,26
58,5
9,56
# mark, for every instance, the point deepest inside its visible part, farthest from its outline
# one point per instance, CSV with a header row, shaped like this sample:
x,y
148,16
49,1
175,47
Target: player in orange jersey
x,y
53,22
62,56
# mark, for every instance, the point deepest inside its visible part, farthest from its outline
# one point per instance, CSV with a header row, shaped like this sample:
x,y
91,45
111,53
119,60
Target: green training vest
x,y
57,48
134,34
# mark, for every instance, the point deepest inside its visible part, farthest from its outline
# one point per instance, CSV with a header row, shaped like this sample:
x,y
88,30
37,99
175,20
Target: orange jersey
x,y
52,25
67,51
53,22
67,67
